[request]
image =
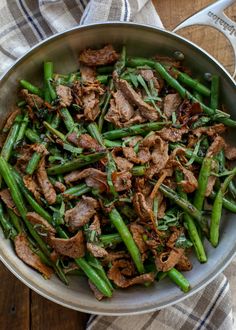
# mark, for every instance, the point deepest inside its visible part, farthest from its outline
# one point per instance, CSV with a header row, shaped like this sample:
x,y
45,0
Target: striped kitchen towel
x,y
24,23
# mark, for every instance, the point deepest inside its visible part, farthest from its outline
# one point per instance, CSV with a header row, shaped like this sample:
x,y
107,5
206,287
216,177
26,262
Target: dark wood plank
x,y
14,302
47,315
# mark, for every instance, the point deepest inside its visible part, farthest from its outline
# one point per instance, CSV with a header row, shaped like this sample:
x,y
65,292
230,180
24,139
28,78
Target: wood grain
x,y
22,309
47,315
14,302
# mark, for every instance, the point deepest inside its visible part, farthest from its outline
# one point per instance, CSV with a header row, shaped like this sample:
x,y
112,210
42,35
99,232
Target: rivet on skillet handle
x,y
214,16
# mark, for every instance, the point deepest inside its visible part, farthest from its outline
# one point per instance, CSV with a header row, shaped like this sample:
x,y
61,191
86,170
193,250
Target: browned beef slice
x,y
103,56
64,94
81,213
73,247
26,254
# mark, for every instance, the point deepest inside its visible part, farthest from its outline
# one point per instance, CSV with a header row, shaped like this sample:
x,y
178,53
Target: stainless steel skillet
x,y
141,40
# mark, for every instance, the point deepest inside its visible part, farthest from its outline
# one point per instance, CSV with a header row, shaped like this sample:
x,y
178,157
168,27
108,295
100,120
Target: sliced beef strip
x,y
10,120
34,101
167,260
120,110
143,186
96,225
43,226
88,74
146,110
73,247
159,154
94,178
230,152
137,232
65,95
24,252
79,215
212,179
33,187
141,157
217,145
142,208
85,141
171,104
122,180
115,274
6,198
59,186
122,163
46,186
184,264
173,237
96,250
103,56
172,134
136,119
209,130
91,106
112,256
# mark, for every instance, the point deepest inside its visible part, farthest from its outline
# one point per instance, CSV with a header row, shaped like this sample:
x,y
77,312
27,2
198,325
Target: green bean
x,y
111,166
197,96
192,230
202,183
10,181
54,131
103,79
105,105
179,279
22,129
127,238
34,161
68,120
228,204
215,82
100,284
134,130
193,83
110,240
76,163
217,115
49,92
217,210
28,196
11,138
8,229
112,144
31,88
186,206
138,170
94,132
120,64
32,135
15,220
95,263
77,191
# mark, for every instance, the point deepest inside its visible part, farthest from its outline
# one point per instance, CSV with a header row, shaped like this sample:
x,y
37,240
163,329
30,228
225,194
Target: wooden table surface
x,y
23,309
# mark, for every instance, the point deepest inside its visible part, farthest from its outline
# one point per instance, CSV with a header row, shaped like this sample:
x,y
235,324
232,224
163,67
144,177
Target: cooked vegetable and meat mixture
x,y
117,171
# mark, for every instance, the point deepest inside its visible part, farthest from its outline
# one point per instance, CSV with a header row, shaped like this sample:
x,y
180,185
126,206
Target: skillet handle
x,y
214,16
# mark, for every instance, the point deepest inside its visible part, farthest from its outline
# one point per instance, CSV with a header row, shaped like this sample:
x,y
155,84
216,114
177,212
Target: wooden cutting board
x,y
20,307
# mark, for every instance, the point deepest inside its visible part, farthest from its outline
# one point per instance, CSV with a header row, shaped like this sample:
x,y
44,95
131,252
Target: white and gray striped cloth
x,y
24,23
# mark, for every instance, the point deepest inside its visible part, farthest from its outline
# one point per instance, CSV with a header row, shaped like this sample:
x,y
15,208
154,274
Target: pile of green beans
x,y
55,134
